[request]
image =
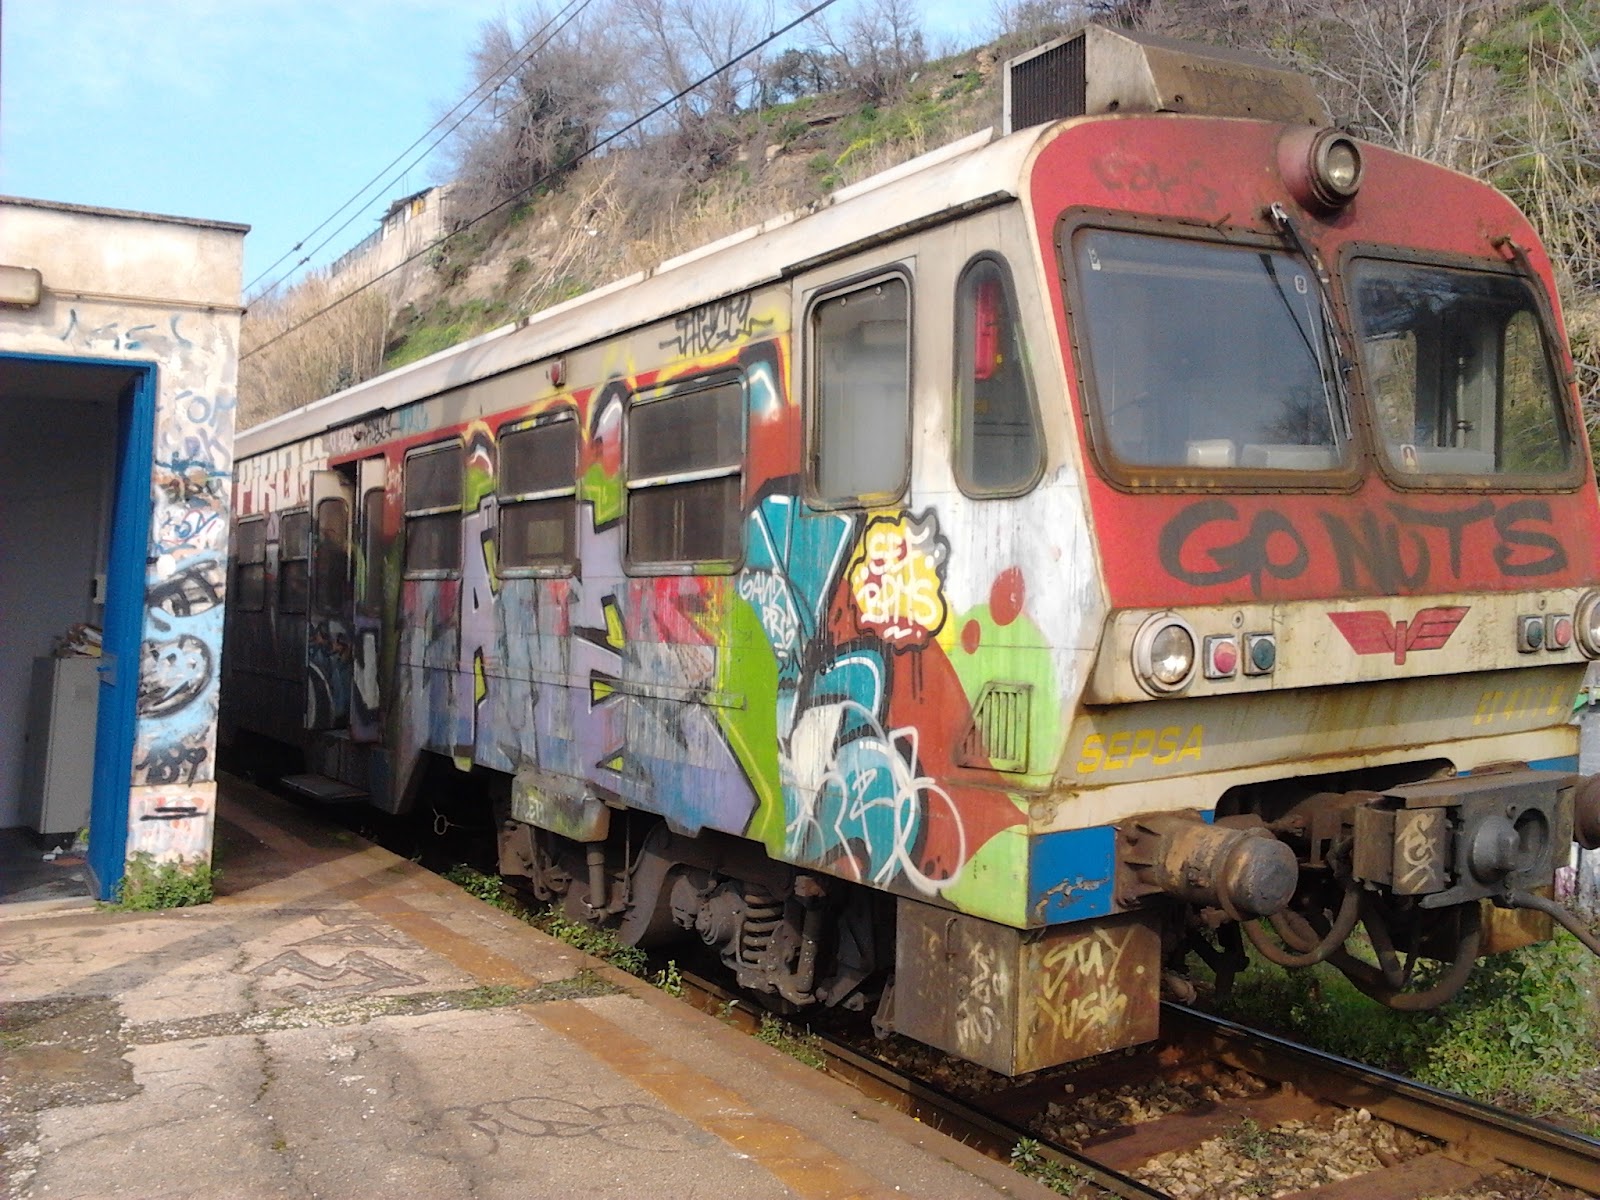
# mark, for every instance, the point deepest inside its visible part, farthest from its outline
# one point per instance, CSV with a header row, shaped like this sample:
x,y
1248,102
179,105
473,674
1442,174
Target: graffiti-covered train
x,y
981,594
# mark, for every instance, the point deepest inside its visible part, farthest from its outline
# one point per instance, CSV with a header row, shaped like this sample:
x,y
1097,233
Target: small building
x,y
119,344
408,226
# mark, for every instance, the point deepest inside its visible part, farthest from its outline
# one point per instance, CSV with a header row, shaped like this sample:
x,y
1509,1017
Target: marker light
x,y
1557,631
1586,624
1164,654
1530,634
1260,653
1221,656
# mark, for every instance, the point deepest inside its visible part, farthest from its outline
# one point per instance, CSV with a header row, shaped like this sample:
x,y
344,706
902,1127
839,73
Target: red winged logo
x,y
1372,632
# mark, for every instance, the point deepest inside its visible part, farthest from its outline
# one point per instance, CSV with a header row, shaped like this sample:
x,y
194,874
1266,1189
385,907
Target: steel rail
x,y
1470,1128
933,1106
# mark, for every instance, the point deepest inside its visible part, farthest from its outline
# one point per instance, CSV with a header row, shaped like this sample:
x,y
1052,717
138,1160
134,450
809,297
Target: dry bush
x,y
338,349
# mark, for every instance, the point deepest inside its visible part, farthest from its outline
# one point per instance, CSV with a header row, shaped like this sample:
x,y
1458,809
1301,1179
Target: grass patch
x,y
1522,1033
147,885
798,1044
1028,1158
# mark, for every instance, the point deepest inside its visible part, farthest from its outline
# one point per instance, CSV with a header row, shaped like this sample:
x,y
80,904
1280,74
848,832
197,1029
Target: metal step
x,y
323,789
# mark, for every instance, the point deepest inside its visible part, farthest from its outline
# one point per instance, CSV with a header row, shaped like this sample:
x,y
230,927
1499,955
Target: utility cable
x,y
495,79
545,178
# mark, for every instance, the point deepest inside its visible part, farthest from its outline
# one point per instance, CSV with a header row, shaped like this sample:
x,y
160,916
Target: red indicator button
x,y
1559,634
1222,657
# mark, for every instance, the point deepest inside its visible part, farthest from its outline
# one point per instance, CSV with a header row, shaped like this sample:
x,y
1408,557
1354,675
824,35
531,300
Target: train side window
x,y
998,445
685,454
538,497
250,569
332,577
433,484
861,393
371,579
294,544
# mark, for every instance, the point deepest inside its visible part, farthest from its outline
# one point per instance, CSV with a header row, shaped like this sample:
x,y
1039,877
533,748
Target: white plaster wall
x,y
137,288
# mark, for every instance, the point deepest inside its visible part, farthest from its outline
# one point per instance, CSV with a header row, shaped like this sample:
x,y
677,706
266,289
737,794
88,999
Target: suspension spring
x,y
763,914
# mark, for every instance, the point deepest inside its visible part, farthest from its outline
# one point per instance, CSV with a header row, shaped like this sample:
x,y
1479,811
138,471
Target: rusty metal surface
x,y
1019,1001
1466,1126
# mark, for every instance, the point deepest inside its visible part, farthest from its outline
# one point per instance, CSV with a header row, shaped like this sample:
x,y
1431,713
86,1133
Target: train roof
x,y
972,173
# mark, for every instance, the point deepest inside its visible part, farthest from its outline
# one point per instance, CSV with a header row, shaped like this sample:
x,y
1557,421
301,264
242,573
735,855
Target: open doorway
x,y
75,470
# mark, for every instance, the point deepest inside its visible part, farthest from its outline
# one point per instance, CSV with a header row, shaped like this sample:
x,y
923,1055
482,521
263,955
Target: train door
x,y
366,698
329,616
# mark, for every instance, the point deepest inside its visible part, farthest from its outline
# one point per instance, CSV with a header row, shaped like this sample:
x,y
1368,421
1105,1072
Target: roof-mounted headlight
x,y
1164,657
1321,167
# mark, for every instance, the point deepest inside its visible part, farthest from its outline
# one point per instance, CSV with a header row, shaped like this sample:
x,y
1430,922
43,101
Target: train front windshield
x,y
1458,371
1208,356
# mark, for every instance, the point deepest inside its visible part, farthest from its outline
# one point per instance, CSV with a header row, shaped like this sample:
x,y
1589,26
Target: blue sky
x,y
267,112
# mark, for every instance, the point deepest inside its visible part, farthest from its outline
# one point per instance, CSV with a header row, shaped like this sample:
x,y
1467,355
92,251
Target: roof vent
x,y
1099,70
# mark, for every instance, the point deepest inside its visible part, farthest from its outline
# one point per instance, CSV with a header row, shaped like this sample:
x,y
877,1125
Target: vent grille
x,y
1048,85
997,735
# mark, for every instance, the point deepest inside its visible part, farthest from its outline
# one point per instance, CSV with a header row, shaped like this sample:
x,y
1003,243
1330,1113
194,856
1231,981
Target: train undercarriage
x,y
1401,879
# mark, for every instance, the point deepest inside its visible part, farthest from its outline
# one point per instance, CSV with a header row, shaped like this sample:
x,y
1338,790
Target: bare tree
x,y
878,46
550,86
695,47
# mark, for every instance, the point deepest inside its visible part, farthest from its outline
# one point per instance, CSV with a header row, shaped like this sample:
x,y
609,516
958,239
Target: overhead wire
x,y
545,178
488,86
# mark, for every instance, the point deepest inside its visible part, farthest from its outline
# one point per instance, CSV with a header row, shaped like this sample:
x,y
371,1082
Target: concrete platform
x,y
341,1023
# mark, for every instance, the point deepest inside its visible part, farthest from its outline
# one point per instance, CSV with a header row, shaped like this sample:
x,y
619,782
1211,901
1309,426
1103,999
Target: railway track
x,y
1450,1144
1456,1144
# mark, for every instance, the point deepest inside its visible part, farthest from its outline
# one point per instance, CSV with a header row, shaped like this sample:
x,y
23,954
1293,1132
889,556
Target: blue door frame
x,y
123,635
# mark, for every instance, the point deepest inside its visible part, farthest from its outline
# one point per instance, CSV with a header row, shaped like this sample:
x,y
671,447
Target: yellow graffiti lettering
x,y
1521,703
1118,751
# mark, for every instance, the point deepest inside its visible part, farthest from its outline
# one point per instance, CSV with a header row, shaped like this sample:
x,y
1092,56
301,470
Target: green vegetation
x,y
1028,1157
798,1044
1523,1032
443,325
670,980
147,885
580,935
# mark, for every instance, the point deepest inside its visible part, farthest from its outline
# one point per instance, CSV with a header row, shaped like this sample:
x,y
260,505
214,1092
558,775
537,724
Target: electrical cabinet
x,y
58,769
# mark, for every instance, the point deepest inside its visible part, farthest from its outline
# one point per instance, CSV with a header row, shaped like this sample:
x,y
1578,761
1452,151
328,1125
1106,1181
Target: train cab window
x,y
998,447
861,393
433,486
538,496
1206,358
1458,372
250,569
294,547
685,452
331,579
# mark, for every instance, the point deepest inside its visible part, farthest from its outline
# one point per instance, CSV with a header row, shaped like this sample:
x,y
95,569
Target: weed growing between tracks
x,y
1524,1033
1028,1158
798,1044
599,943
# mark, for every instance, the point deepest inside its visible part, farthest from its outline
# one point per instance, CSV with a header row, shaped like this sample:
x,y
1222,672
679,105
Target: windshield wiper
x,y
1332,344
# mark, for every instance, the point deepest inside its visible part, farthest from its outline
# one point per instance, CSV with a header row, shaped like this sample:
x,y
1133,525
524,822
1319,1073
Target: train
x,y
1161,525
